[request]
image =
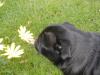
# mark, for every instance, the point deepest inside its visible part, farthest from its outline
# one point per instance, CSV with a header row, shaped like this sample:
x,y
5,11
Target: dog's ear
x,y
49,38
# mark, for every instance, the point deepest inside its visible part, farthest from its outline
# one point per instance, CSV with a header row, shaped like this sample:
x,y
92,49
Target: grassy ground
x,y
35,15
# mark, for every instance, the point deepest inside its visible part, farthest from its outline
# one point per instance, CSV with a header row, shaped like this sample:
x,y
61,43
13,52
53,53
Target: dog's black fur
x,y
75,52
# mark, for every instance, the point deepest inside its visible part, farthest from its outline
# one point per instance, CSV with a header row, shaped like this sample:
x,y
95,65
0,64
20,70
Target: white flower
x,y
26,35
1,45
1,4
13,51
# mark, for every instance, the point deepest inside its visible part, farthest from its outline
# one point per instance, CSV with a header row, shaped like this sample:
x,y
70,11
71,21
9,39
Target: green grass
x,y
84,14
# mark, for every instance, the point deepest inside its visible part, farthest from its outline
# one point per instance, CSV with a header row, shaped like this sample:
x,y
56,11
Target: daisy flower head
x,y
1,45
13,51
26,35
1,4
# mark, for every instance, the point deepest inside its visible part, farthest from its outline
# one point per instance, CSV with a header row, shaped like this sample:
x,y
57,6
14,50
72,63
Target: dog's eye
x,y
58,47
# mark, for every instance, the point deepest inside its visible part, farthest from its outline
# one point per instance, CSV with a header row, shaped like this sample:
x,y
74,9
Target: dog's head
x,y
66,47
54,44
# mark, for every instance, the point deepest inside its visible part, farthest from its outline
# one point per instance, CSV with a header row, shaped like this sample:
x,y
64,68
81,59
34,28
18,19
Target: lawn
x,y
36,15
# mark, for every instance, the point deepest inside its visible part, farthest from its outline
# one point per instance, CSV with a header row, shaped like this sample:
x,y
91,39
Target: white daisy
x,y
1,45
26,35
1,4
13,51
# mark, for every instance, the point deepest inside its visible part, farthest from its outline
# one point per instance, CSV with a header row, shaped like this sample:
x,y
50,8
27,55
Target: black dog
x,y
75,52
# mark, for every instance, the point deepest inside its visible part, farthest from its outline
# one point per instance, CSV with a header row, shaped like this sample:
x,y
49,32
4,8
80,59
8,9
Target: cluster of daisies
x,y
13,50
